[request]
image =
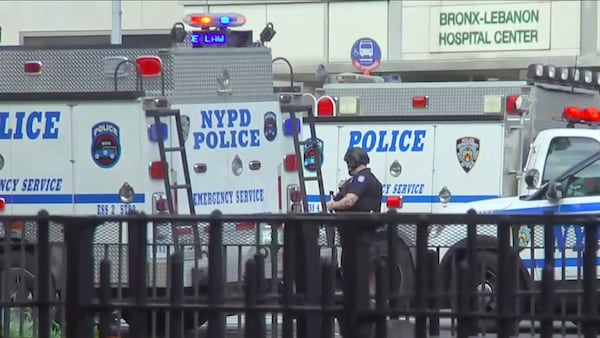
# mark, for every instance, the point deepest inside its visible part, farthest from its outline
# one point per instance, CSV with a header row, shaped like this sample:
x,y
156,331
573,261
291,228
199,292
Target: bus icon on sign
x,y
365,49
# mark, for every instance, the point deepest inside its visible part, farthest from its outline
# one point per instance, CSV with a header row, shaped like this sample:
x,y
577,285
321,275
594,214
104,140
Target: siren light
x,y
211,20
326,106
577,115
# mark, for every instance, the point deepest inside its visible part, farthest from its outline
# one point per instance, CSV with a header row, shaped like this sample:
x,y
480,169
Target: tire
x,y
405,272
486,280
23,280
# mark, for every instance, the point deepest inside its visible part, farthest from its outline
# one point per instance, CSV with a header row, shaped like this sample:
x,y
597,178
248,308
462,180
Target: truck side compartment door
x,y
107,155
40,158
468,162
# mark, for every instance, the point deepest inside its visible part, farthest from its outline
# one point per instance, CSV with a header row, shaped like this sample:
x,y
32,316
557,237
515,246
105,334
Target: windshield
x,y
566,152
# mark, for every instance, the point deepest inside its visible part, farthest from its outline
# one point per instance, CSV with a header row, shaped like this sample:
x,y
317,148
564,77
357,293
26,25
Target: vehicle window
x,y
564,152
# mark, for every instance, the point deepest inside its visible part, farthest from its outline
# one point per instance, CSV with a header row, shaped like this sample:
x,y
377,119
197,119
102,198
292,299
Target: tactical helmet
x,y
355,157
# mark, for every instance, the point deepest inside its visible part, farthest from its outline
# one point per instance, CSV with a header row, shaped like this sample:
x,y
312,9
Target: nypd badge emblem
x,y
311,153
106,144
270,126
185,126
467,152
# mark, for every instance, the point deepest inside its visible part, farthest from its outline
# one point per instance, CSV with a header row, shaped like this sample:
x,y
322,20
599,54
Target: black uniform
x,y
368,189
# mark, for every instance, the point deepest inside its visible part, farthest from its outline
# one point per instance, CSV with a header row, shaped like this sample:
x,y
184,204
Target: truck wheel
x,y
405,272
486,281
22,283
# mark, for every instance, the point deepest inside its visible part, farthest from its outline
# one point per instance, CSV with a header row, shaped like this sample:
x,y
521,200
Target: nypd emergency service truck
x,y
75,139
441,147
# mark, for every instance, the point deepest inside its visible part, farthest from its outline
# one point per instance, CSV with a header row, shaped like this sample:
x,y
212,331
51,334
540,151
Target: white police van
x,y
493,151
76,137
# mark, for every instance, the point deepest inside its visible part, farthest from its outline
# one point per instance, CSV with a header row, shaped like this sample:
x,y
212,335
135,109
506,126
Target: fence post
x,y
506,278
79,239
422,279
436,291
311,278
176,315
43,273
105,315
590,303
466,284
394,283
251,328
289,272
327,298
381,296
216,276
547,287
137,264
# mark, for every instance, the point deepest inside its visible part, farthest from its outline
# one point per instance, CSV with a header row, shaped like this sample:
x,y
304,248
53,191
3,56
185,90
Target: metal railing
x,y
496,274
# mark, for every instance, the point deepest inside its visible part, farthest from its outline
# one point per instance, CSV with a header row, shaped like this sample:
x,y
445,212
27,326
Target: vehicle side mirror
x,y
532,177
554,192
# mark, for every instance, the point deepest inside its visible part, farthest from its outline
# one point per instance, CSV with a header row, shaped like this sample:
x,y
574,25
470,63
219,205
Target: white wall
x,y
313,32
88,15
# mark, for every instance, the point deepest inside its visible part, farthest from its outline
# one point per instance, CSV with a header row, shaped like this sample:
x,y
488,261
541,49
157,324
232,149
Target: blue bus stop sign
x,y
365,55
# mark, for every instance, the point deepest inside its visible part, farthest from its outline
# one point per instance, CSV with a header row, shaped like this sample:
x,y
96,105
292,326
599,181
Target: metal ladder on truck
x,y
312,141
157,114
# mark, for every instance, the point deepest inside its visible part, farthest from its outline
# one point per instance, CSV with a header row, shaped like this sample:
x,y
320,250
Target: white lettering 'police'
x,y
105,127
238,133
389,141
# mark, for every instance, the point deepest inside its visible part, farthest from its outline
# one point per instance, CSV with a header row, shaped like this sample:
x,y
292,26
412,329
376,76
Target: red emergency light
x,y
32,67
511,105
290,163
586,115
156,170
2,204
149,66
420,101
245,226
393,202
326,106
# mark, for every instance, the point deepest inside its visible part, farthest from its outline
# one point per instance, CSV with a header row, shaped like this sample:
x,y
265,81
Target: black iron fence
x,y
404,275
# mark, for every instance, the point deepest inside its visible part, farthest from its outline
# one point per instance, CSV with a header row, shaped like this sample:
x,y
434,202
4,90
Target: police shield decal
x,y
106,144
311,153
467,152
270,126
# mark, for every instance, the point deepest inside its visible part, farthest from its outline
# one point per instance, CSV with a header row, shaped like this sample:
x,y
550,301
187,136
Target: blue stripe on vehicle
x,y
422,198
558,262
68,198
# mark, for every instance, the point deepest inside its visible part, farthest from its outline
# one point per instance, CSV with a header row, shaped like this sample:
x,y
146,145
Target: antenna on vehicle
x,y
573,77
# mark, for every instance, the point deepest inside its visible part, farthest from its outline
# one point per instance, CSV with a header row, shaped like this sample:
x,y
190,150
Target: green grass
x,y
25,329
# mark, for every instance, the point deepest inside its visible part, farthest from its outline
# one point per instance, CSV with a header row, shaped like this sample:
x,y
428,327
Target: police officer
x,y
361,193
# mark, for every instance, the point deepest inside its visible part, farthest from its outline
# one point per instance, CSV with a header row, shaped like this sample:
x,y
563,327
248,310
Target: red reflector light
x,y
296,196
290,163
325,107
511,105
156,170
420,102
393,202
245,226
149,66
2,204
32,67
162,205
575,114
184,231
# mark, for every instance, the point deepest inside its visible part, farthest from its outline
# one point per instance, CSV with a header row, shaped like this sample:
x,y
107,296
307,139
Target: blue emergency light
x,y
153,132
288,127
